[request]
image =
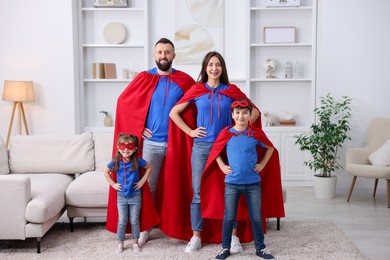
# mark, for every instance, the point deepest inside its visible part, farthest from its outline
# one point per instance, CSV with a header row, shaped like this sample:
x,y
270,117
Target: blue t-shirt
x,y
165,96
242,157
131,176
220,115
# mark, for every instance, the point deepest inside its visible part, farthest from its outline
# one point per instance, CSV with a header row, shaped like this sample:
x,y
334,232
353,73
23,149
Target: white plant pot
x,y
325,188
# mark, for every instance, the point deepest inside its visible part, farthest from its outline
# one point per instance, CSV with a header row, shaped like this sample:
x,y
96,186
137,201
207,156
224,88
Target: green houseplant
x,y
327,135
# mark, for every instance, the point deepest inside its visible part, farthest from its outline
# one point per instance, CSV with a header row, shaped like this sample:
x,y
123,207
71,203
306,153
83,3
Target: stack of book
x,y
103,71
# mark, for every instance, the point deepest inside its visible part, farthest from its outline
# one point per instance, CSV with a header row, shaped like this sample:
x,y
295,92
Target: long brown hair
x,y
203,77
129,138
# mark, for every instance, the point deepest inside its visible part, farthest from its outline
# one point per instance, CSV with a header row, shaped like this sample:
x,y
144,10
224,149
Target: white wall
x,y
353,58
37,44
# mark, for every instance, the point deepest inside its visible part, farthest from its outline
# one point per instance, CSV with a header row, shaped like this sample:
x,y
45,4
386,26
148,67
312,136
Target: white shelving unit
x,y
279,94
133,53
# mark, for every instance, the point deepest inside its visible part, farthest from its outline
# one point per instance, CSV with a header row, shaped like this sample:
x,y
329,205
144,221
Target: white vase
x,y
325,188
107,121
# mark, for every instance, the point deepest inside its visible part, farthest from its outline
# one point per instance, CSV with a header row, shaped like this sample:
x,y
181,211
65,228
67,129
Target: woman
x,y
212,96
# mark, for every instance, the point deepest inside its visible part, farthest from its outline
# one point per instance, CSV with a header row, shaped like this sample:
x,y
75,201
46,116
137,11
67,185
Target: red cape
x,y
132,109
175,210
212,188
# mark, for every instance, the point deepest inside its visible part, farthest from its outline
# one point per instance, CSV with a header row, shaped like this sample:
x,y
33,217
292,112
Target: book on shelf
x,y
103,71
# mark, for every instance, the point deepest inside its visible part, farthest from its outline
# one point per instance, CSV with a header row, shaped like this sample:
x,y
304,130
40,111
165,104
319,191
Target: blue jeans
x,y
200,153
128,206
252,193
154,153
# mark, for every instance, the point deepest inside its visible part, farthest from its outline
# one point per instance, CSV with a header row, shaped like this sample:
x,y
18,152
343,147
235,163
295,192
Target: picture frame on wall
x,y
280,34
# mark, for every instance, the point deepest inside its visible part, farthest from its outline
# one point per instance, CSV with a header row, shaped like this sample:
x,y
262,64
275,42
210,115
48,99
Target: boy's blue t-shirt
x,y
242,158
131,176
208,106
165,96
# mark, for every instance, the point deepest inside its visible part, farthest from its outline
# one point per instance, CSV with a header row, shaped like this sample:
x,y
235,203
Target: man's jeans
x,y
252,193
154,153
128,206
200,153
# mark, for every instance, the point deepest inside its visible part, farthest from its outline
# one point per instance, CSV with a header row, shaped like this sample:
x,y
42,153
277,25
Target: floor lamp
x,y
17,91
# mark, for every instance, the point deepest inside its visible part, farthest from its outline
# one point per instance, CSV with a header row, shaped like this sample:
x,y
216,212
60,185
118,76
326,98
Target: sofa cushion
x,y
103,149
51,153
47,196
4,168
381,157
89,190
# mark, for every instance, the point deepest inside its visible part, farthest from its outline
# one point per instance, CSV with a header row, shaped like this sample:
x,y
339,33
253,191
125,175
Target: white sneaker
x,y
120,247
235,245
136,248
194,245
143,237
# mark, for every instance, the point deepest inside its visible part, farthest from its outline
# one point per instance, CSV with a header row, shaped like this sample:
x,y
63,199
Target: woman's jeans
x,y
252,193
200,153
128,206
154,153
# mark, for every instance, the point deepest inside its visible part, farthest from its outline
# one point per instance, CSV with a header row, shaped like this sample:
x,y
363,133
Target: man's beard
x,y
164,67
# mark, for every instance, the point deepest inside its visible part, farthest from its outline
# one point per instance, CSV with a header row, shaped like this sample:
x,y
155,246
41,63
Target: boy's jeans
x,y
252,193
128,206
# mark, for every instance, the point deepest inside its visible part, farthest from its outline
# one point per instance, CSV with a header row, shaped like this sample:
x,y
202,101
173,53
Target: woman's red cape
x,y
132,109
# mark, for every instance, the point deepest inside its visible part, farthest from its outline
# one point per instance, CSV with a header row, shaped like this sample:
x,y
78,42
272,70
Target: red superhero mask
x,y
129,146
241,103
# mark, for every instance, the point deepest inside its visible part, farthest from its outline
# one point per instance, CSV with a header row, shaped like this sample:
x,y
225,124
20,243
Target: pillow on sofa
x,y
103,149
381,157
51,153
4,169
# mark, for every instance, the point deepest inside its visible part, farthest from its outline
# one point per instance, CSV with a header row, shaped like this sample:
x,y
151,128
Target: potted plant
x,y
327,135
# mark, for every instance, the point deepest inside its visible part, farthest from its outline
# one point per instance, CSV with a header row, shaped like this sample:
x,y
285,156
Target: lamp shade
x,y
17,90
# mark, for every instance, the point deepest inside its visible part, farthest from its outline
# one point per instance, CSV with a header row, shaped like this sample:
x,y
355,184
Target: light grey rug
x,y
296,240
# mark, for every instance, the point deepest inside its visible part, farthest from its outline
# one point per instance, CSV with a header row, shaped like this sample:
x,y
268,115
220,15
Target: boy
x,y
242,176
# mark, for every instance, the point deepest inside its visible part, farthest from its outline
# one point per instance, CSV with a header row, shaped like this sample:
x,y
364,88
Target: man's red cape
x,y
131,112
212,188
175,210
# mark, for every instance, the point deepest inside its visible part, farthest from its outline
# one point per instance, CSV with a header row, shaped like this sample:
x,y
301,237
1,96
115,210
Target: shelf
x,y
281,45
108,80
97,94
281,80
113,46
281,8
99,129
278,129
103,9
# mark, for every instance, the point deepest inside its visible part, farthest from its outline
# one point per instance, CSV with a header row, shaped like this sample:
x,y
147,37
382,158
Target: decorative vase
x,y
107,121
325,187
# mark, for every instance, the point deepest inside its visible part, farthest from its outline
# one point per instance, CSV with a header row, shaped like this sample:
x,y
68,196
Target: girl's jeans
x,y
128,206
252,193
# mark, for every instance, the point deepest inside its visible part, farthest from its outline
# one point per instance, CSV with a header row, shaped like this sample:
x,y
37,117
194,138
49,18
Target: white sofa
x,y
43,175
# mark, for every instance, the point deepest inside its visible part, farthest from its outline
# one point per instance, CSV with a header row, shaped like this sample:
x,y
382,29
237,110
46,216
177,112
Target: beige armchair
x,y
357,162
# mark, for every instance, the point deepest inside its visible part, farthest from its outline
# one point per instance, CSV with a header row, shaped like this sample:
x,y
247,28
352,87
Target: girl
x,y
126,164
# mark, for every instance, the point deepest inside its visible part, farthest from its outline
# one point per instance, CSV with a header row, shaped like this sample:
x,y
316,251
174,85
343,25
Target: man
x,y
143,110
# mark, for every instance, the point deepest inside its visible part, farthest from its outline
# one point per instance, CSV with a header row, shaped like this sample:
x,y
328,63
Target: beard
x,y
164,67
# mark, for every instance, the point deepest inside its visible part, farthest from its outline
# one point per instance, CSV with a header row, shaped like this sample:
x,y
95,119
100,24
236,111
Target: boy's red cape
x,y
212,188
177,194
131,111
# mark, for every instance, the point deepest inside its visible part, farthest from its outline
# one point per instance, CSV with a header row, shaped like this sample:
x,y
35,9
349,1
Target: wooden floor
x,y
365,220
